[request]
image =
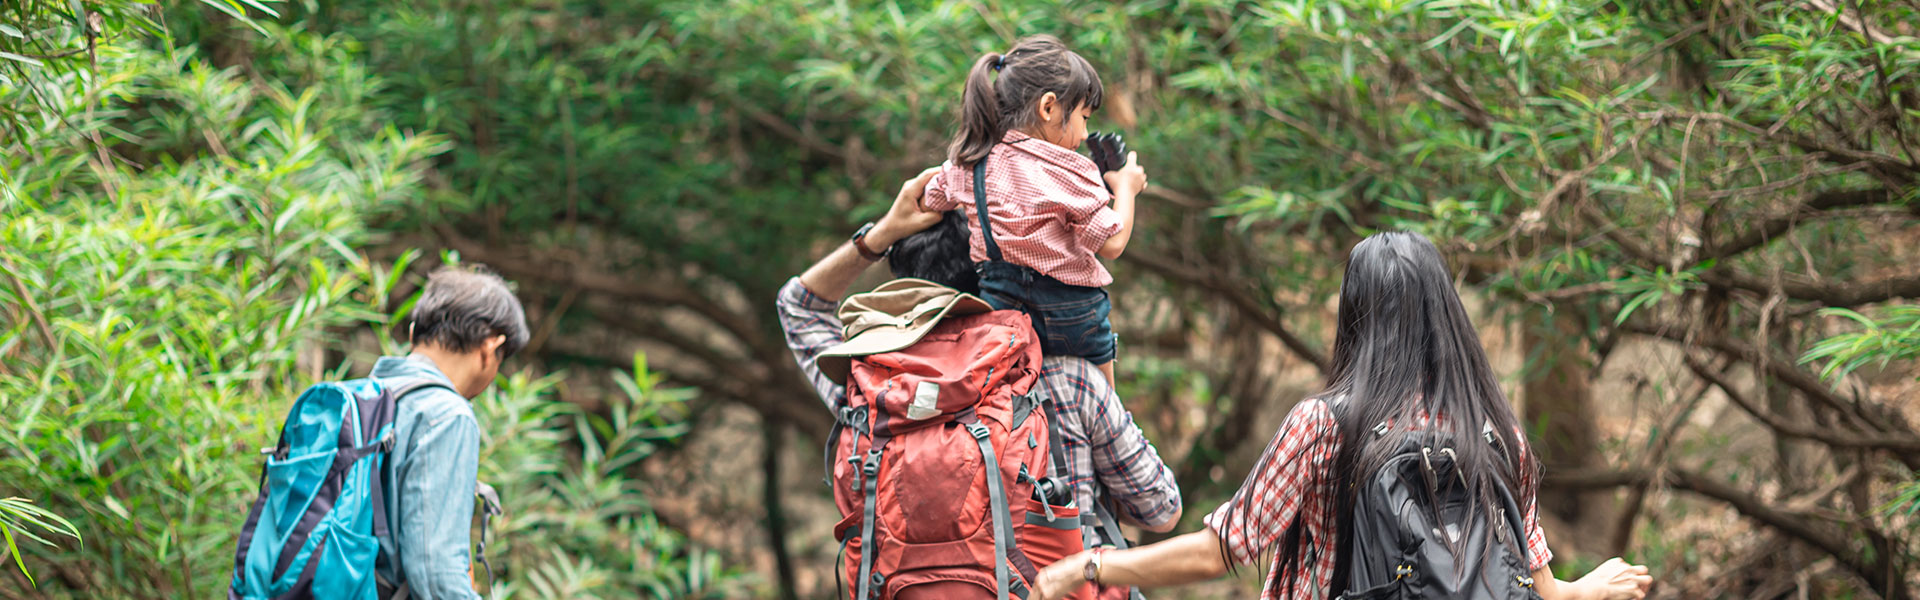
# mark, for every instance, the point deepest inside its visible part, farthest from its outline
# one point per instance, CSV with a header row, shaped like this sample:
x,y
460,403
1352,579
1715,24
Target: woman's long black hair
x,y
1403,348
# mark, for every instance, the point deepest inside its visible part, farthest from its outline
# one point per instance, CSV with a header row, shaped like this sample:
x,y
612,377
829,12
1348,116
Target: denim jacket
x,y
429,479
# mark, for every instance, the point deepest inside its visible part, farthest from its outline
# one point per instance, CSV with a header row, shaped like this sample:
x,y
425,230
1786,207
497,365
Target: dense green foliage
x,y
1715,201
163,308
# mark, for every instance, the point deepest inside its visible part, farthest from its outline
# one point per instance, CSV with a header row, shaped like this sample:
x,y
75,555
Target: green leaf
x,y
1637,301
18,58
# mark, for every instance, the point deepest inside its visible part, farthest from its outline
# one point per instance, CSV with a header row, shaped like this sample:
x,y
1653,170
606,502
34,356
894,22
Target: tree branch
x,y
1873,569
569,273
1779,367
1779,225
1892,163
33,308
1830,293
1903,444
1266,317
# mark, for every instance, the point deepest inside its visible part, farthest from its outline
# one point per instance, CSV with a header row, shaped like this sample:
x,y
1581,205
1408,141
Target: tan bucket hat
x,y
891,317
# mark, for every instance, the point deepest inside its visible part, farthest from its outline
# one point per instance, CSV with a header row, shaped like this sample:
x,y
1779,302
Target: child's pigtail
x,y
980,120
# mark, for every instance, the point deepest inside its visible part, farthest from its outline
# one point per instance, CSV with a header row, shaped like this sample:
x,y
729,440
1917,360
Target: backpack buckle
x,y
978,431
871,466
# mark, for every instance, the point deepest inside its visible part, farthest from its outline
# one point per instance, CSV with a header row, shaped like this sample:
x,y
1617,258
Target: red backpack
x,y
936,478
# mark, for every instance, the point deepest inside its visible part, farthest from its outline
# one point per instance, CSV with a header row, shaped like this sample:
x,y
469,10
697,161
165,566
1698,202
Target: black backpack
x,y
1395,551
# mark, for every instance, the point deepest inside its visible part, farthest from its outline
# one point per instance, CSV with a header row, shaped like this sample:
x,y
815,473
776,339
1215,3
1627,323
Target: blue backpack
x,y
312,532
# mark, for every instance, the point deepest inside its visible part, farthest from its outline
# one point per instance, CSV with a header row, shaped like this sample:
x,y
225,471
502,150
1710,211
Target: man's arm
x,y
806,304
1126,464
830,278
437,481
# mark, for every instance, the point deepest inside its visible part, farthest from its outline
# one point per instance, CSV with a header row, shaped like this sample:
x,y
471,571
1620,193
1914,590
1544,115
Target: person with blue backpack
x,y
1407,477
369,493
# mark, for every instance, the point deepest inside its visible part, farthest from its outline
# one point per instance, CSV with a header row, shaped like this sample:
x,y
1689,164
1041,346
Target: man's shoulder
x,y
435,404
1076,385
1070,370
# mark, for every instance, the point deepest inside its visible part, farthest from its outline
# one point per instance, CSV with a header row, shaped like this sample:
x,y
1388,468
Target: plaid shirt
x,y
1107,450
1294,478
1048,207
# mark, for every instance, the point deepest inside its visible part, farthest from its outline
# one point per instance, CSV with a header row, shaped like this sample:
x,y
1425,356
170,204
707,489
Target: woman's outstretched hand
x,y
1061,578
1616,580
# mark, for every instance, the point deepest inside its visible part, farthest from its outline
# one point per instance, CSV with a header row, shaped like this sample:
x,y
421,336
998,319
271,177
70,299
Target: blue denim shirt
x,y
429,481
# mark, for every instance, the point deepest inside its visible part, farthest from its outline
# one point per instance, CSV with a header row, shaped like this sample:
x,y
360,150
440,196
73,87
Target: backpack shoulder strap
x,y
412,385
389,399
1516,520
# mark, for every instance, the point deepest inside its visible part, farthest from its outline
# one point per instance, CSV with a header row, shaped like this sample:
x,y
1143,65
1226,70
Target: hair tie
x,y
1000,63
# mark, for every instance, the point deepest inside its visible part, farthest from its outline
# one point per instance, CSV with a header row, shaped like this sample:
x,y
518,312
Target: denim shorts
x,y
1071,320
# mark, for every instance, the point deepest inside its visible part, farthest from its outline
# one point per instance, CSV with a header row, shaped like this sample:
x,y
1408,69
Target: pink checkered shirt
x,y
1295,478
1048,206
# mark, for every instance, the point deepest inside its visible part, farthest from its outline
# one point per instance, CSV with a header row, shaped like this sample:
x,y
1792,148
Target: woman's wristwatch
x,y
860,244
1093,565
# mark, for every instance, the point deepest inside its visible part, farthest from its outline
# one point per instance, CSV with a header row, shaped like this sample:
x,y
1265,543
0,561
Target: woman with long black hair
x,y
1406,362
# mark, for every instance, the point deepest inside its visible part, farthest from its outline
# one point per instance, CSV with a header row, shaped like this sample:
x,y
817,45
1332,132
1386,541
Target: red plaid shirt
x,y
1048,206
1295,477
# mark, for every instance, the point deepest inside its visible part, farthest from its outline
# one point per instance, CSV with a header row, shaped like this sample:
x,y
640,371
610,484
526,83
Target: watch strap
x,y
860,244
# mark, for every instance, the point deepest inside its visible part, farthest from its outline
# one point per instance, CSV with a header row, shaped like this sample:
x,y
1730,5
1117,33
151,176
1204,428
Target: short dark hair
x,y
939,254
463,306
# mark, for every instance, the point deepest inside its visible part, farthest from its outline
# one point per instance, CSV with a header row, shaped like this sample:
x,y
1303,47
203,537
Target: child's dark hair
x,y
991,106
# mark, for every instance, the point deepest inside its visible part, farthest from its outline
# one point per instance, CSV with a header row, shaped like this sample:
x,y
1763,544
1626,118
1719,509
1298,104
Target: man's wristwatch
x,y
860,243
1093,565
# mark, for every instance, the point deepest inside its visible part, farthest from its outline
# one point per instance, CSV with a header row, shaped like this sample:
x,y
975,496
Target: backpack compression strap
x,y
1002,520
871,582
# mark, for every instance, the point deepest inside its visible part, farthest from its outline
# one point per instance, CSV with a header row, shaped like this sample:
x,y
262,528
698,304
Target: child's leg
x,y
1077,324
1071,320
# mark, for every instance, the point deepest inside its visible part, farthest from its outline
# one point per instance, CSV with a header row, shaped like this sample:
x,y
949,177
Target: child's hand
x,y
906,217
1129,180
